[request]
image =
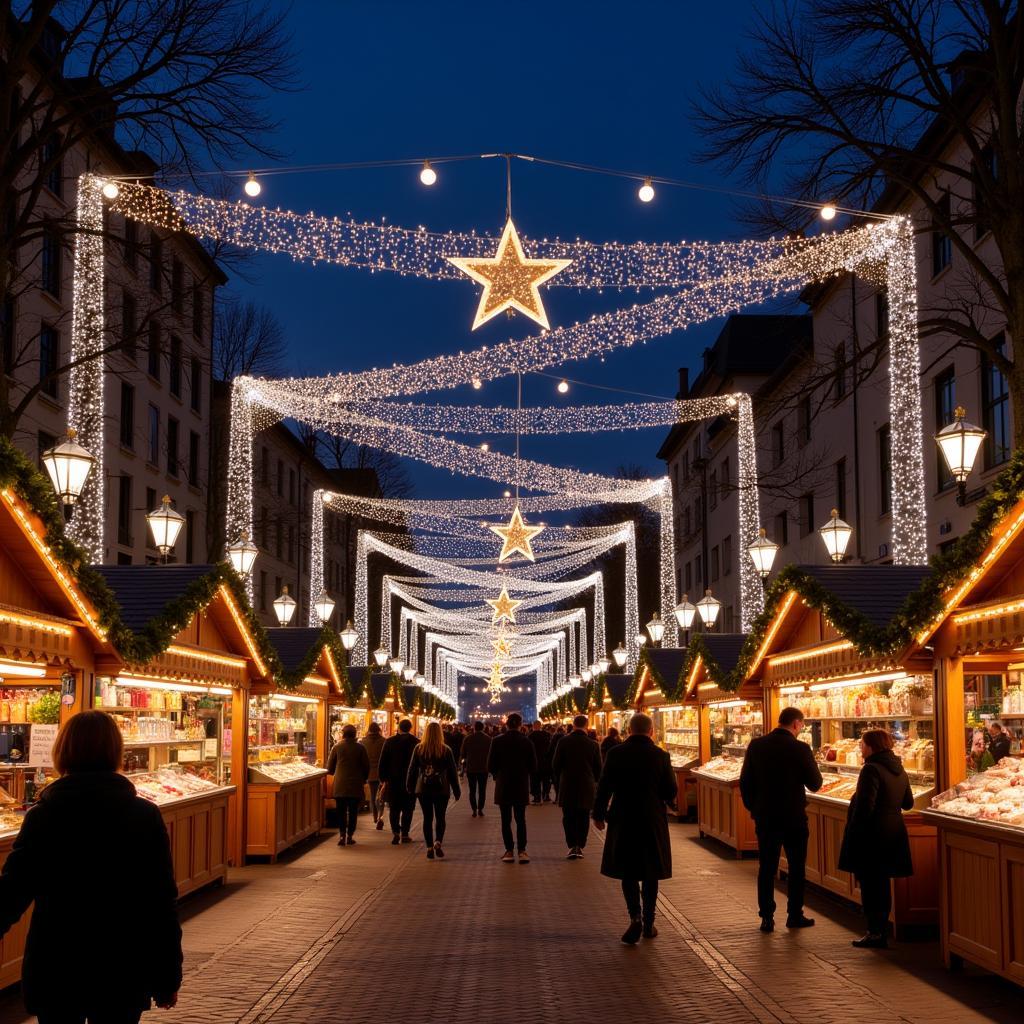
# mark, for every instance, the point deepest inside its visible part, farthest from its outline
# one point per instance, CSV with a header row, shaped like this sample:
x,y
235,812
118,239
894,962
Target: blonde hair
x,y
432,745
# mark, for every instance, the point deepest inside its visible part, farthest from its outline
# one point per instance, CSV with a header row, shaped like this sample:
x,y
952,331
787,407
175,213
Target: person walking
x,y
876,847
540,780
512,760
455,741
433,777
349,763
395,757
577,763
612,739
373,741
91,814
635,786
556,737
777,772
476,748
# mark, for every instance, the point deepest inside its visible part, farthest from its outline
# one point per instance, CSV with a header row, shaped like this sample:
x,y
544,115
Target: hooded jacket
x,y
96,861
875,841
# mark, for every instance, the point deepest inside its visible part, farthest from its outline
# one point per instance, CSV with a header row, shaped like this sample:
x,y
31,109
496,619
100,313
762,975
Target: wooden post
x,y
239,773
703,733
950,734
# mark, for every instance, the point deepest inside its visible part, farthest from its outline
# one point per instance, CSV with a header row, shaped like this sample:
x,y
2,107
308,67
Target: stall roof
x,y
617,685
667,662
724,648
144,591
293,644
380,682
876,591
356,677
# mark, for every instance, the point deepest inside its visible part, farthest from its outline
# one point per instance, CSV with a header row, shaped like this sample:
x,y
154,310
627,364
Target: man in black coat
x,y
637,782
476,749
577,763
512,760
999,741
395,756
540,780
777,772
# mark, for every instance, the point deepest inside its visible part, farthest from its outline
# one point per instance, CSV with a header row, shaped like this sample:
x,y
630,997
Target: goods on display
x,y
675,729
340,716
165,786
996,795
282,771
732,728
281,728
725,768
23,706
912,697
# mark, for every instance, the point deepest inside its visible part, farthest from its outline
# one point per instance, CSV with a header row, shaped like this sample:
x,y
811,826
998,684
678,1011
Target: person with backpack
x,y
433,777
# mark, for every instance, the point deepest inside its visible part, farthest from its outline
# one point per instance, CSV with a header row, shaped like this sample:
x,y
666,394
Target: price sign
x,y
40,745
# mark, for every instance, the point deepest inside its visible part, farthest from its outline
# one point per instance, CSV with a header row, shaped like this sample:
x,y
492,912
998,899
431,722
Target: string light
x,y
252,187
828,212
563,387
646,191
427,174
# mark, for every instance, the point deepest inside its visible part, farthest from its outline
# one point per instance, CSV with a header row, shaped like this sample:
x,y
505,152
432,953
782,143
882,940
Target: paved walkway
x,y
375,932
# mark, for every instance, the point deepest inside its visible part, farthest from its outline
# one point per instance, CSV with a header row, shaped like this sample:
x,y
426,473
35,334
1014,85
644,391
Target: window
x,y
688,577
177,285
806,515
53,165
687,522
698,574
840,489
987,163
280,478
154,436
714,564
942,244
153,367
44,442
174,371
727,555
803,422
713,489
263,590
995,409
190,535
198,310
945,405
279,541
193,458
291,486
291,543
882,313
49,355
49,264
723,479
7,335
778,443
127,415
196,385
124,511
156,263
782,529
129,325
124,558
885,469
264,522
172,446
264,465
839,371
131,243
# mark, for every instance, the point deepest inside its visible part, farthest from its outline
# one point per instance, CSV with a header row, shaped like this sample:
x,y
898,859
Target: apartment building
x,y
160,293
822,418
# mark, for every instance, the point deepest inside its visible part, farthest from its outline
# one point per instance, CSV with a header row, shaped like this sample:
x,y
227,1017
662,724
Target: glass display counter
x,y
676,730
281,722
733,724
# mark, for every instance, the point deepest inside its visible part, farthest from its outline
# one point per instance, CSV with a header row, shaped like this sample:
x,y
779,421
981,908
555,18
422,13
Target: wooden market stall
x,y
615,708
978,641
844,687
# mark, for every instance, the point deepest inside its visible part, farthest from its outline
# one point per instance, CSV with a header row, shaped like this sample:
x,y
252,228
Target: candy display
x,y
724,768
994,795
165,786
20,705
676,731
732,728
282,771
911,697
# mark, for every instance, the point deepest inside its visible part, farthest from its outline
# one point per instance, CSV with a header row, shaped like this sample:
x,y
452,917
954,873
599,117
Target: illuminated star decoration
x,y
496,683
502,645
504,607
516,536
510,280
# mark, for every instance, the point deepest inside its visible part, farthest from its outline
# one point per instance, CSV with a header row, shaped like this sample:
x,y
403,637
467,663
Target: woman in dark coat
x,y
96,861
349,763
876,847
612,739
638,783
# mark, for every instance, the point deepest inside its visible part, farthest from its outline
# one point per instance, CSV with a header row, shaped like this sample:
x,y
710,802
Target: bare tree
x,y
840,99
247,340
392,476
182,80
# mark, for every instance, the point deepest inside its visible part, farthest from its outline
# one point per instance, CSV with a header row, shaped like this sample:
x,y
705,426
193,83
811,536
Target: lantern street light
x,y
708,607
685,613
380,656
762,554
396,665
836,535
656,628
165,524
324,606
585,675
604,663
284,606
959,443
242,553
574,680
640,639
69,466
349,635
620,655
408,673
419,679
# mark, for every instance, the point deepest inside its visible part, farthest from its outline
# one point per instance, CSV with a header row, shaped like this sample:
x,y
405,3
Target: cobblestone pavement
x,y
375,932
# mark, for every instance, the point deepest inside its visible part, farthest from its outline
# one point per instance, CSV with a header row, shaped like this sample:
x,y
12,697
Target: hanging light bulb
x,y
349,635
828,212
284,606
380,656
762,553
477,383
563,387
165,524
485,447
427,174
111,190
708,607
252,187
242,553
646,191
68,465
620,654
836,535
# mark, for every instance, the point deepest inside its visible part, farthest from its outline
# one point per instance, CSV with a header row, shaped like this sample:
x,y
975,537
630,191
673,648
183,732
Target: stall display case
x,y
720,811
25,708
339,717
733,724
676,730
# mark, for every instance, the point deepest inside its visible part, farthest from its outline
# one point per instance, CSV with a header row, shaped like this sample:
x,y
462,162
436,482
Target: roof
x,y
144,591
293,644
724,648
356,677
379,684
666,661
876,591
617,686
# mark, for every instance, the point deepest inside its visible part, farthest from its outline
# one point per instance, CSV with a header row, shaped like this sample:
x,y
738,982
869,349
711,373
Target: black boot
x,y
631,936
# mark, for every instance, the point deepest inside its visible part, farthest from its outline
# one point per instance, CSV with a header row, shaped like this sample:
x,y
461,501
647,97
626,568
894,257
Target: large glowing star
x,y
504,607
516,536
510,280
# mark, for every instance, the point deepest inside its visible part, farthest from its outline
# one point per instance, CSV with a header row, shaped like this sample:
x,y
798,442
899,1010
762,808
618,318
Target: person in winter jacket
x,y
433,777
394,773
876,847
350,765
373,741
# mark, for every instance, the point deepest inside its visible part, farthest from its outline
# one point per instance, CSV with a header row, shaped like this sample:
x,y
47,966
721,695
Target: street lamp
x,y
640,639
959,443
69,466
396,665
242,553
708,607
585,675
762,553
284,606
408,673
604,663
165,524
685,612
349,635
620,655
656,628
836,535
380,656
324,606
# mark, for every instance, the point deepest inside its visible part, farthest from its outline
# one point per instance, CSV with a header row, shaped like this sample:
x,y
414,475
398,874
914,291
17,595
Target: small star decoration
x,y
504,607
510,280
516,536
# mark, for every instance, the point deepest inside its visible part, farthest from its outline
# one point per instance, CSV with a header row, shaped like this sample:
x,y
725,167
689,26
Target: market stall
x,y
614,709
844,689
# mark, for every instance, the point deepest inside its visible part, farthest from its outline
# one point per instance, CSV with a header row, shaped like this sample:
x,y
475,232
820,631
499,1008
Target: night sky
x,y
605,84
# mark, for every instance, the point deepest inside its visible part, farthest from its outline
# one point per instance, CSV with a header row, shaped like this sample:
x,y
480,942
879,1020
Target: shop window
x,y
945,406
942,243
172,446
50,263
127,415
995,406
884,469
806,515
154,436
124,511
49,356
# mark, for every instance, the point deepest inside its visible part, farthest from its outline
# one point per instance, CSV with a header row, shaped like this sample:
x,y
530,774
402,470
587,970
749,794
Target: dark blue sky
x,y
600,83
